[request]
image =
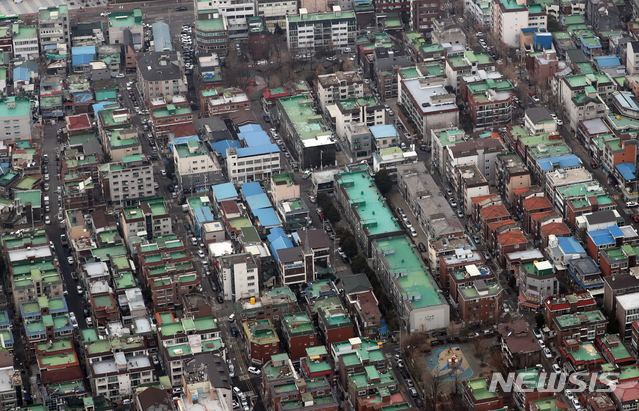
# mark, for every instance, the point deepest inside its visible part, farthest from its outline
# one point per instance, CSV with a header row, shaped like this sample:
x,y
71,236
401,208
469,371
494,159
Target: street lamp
x,y
321,160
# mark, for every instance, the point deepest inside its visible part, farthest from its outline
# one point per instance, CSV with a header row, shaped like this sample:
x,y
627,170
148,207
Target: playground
x,y
445,362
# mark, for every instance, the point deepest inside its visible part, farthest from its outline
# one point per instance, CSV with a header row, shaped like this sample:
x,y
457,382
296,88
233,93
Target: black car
x,y
181,8
451,340
219,299
214,287
187,226
422,247
234,331
436,343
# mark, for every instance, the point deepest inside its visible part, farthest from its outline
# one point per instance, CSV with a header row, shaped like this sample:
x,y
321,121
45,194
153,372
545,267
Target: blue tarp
x,y
267,217
607,61
221,146
278,240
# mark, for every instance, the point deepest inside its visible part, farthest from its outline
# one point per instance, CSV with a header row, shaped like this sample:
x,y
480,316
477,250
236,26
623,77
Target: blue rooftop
x,y
627,170
385,131
255,138
606,236
608,61
100,106
82,50
569,160
278,240
21,73
250,127
251,189
161,37
257,150
267,217
203,215
257,202
570,245
224,191
221,146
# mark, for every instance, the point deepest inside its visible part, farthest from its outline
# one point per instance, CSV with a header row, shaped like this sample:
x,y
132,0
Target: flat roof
x,y
362,193
413,277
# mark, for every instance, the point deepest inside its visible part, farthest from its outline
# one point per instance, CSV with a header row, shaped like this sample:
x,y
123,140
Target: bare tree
x,y
238,73
432,385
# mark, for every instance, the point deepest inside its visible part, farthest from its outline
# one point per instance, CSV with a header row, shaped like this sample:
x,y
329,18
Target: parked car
x,y
254,370
421,247
155,360
635,218
548,353
219,299
476,239
506,308
556,369
631,204
538,335
541,343
232,318
80,290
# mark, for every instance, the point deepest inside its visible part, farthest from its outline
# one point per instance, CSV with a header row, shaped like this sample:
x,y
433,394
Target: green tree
x,y
540,320
553,25
383,182
359,264
106,158
332,213
349,247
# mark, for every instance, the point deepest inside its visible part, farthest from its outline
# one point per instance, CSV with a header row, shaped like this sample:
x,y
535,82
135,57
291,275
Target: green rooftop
x,y
512,5
24,32
586,353
126,19
47,13
210,24
183,150
413,277
21,107
617,349
101,301
353,103
368,203
260,332
58,360
171,110
479,388
299,110
549,404
321,17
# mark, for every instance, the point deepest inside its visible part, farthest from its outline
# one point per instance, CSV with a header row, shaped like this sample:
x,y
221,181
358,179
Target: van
x,y
185,207
46,200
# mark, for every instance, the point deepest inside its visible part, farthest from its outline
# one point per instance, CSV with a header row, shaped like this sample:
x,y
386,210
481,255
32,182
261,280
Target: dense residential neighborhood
x,y
355,205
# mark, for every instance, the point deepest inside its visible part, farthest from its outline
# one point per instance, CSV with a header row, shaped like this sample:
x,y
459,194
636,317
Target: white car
x,y
120,75
46,177
163,173
554,116
631,204
506,308
254,370
73,320
80,290
556,369
200,253
535,99
47,220
548,353
538,335
70,260
106,13
541,343
560,122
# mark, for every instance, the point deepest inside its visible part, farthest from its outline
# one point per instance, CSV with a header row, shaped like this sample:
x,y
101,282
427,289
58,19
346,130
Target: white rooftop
x,y
220,249
628,301
26,253
99,269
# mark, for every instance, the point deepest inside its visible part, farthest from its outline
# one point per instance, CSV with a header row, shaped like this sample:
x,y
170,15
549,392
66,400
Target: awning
x,y
522,301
